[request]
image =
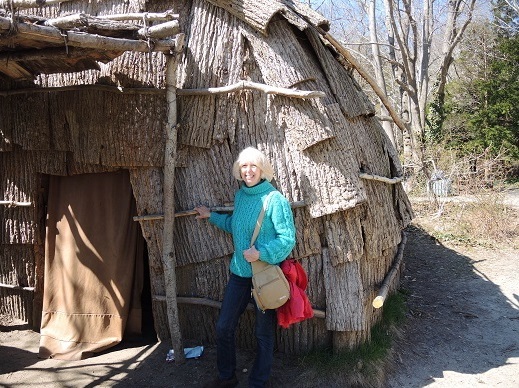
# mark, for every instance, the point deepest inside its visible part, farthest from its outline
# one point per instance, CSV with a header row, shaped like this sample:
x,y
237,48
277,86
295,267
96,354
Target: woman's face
x,y
250,173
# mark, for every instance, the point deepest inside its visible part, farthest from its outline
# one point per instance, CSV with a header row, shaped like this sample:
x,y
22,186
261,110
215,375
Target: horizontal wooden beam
x,y
15,203
183,213
30,289
216,304
144,16
242,85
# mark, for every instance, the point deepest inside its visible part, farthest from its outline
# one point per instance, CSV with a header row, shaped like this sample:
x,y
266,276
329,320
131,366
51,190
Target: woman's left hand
x,y
251,254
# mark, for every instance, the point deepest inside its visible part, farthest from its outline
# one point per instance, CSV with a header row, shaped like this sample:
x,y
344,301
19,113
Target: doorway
x,y
96,277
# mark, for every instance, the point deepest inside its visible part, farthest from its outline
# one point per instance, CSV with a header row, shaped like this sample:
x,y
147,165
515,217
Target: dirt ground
x,y
462,330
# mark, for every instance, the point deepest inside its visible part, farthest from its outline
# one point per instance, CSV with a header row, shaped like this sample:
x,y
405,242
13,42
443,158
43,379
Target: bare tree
x,y
411,42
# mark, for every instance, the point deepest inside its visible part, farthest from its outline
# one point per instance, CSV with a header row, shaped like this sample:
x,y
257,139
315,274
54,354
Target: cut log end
x,y
378,302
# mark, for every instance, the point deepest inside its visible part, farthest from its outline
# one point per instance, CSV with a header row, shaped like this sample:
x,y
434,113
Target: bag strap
x,y
260,220
259,265
258,225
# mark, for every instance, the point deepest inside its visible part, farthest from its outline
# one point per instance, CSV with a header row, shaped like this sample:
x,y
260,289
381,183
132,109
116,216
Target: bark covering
x,y
349,228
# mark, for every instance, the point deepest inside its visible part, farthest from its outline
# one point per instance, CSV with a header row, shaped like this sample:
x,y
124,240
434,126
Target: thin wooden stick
x,y
183,213
242,85
15,203
378,302
151,16
2,285
373,177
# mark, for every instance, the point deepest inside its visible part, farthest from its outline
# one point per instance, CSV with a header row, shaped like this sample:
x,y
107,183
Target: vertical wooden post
x,y
170,155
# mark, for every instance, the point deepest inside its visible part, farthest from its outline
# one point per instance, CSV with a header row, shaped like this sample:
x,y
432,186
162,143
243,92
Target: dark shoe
x,y
220,383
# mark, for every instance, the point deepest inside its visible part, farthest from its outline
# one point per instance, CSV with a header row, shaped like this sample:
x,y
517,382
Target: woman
x,y
273,244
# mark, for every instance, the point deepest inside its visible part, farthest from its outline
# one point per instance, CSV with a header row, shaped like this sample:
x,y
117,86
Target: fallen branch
x,y
241,85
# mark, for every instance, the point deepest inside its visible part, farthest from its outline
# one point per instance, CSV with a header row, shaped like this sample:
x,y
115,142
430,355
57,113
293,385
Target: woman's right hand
x,y
203,212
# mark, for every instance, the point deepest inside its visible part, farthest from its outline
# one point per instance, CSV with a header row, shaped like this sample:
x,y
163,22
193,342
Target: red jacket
x,y
298,307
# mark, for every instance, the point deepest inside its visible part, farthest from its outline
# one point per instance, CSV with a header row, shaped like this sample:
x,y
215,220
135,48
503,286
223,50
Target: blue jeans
x,y
237,296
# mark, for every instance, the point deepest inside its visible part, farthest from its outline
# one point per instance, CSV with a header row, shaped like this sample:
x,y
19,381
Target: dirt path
x,y
462,331
463,325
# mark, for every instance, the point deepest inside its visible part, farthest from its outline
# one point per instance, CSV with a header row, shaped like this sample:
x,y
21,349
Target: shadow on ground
x,y
463,319
463,314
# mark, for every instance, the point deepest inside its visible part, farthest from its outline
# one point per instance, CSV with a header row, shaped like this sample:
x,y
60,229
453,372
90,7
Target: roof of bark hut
x,y
32,45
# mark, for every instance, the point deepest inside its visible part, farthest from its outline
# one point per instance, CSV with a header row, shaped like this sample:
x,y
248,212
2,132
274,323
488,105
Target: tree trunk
x,y
377,65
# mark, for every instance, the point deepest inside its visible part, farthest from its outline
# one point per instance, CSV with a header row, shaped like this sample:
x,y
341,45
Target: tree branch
x,y
241,85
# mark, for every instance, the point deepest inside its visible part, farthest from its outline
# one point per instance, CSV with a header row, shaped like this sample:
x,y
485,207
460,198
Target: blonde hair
x,y
253,155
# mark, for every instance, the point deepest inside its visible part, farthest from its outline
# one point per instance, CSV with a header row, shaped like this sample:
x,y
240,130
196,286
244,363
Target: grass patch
x,y
482,220
365,366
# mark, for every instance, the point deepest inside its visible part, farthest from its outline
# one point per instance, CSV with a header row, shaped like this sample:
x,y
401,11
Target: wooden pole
x,y
213,303
168,252
378,302
241,85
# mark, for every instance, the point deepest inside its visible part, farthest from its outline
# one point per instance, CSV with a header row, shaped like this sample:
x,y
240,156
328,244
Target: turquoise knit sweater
x,y
276,238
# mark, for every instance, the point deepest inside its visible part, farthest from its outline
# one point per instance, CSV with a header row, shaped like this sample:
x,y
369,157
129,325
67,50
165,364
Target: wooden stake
x,y
168,250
